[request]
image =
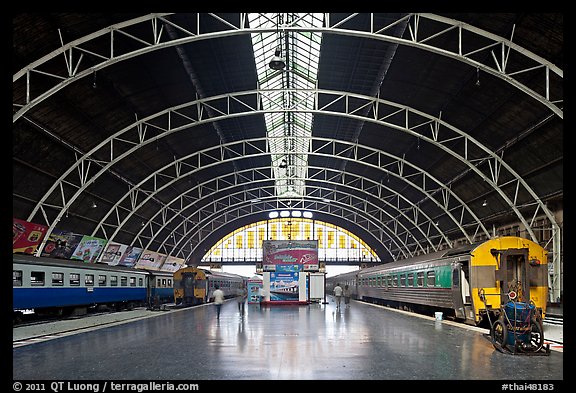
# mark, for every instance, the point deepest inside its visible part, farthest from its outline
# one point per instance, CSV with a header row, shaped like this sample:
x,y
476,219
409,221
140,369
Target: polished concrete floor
x,y
305,342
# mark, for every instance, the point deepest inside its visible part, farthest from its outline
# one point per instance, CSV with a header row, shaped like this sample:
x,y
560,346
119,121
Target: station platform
x,y
270,343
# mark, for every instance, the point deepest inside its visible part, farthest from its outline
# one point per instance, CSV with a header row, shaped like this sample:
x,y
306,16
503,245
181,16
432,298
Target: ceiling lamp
x,y
277,62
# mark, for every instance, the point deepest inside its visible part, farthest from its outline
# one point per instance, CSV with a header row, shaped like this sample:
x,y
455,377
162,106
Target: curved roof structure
x,y
169,130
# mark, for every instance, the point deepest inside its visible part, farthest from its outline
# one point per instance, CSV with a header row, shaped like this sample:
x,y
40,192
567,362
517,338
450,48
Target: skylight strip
x,y
301,50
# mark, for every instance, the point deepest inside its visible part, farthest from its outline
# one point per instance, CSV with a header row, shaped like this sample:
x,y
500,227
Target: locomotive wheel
x,y
499,333
536,336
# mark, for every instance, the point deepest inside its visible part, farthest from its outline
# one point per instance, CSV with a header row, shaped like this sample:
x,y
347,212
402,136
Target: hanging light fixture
x,y
278,63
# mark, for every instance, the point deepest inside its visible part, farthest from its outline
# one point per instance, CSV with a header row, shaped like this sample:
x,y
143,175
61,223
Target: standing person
x,y
241,295
347,295
218,299
338,293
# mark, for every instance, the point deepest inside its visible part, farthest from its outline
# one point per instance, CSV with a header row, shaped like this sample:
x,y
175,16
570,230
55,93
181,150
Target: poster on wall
x,y
130,256
89,249
61,244
26,236
303,253
284,286
112,253
254,290
172,264
150,260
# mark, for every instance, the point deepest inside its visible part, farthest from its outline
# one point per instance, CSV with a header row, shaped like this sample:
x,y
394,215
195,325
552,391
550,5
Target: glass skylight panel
x,y
288,132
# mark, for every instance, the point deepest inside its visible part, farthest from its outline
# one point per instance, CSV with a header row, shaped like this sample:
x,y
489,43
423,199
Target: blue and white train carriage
x,y
58,286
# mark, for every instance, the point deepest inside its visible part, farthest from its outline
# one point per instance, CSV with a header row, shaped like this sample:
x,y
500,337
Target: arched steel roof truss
x,y
418,124
497,64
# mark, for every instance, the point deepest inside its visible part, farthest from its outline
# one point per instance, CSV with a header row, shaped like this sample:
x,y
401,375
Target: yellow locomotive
x,y
507,268
194,285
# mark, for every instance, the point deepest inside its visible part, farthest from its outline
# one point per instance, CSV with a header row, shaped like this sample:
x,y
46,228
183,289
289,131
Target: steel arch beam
x,y
425,127
71,70
237,202
354,201
382,161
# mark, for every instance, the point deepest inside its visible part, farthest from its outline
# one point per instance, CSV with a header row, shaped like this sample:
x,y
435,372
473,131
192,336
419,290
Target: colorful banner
x,y
172,264
287,252
284,286
61,244
89,249
254,290
26,236
112,253
151,260
130,256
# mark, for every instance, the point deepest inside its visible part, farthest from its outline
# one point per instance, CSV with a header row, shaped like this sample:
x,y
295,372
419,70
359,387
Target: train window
x,y
140,282
169,282
455,278
113,281
164,282
395,280
402,280
101,280
389,279
410,280
132,281
89,280
57,279
123,281
420,279
37,278
75,279
430,278
16,278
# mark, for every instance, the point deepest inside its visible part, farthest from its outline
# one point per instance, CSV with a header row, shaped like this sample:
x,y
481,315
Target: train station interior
x,y
155,142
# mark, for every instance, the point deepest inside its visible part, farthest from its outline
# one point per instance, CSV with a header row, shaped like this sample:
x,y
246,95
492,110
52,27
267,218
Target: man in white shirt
x,y
338,295
218,299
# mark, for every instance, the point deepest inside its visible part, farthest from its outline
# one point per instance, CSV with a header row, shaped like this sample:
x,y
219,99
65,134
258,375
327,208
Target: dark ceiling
x,y
496,122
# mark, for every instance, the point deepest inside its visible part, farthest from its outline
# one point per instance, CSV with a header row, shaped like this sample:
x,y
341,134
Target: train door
x,y
191,287
512,273
461,292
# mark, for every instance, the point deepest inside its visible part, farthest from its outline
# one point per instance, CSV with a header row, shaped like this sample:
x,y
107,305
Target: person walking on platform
x,y
218,299
347,295
241,296
338,294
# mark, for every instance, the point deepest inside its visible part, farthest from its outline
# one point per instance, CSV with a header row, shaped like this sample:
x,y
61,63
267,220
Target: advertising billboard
x,y
26,236
302,254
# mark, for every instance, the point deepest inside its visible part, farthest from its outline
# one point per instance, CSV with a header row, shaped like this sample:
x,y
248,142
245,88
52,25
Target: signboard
x,y
89,249
172,264
254,290
112,253
284,286
61,244
151,260
130,256
302,253
26,236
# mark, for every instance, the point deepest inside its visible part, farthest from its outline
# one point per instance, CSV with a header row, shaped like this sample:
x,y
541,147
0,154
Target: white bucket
x,y
438,316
